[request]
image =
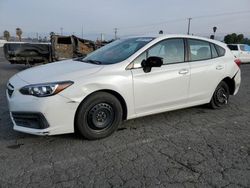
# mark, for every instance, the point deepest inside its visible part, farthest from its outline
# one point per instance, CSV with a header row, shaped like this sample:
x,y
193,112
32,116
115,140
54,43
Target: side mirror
x,y
150,62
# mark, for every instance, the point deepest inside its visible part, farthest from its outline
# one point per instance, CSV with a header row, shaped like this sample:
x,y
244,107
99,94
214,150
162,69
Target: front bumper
x,y
40,116
27,122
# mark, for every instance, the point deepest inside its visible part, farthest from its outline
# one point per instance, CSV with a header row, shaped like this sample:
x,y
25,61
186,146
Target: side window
x,y
221,51
199,50
171,50
138,60
214,52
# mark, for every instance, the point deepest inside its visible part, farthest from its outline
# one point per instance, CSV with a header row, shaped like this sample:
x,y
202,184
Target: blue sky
x,y
131,17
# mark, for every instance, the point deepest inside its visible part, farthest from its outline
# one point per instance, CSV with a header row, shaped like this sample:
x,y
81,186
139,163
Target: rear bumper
x,y
237,81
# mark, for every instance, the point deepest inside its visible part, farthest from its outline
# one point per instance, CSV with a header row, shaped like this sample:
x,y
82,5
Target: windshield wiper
x,y
92,61
89,61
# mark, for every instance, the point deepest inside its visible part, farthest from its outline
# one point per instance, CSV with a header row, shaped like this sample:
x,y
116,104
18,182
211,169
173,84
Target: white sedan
x,y
240,51
126,79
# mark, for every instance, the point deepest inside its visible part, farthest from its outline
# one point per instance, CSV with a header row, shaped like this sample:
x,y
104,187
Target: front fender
x,y
119,83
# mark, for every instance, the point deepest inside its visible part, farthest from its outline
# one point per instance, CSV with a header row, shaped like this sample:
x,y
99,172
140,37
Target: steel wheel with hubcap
x,y
99,115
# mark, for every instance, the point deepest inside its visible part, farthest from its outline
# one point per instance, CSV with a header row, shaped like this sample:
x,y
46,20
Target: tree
x,y
6,35
246,41
19,33
240,38
234,38
228,39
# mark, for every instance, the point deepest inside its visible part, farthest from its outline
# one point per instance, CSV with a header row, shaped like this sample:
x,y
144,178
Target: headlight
x,y
46,89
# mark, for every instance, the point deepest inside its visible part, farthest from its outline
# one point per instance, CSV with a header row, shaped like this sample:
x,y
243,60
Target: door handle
x,y
219,67
183,71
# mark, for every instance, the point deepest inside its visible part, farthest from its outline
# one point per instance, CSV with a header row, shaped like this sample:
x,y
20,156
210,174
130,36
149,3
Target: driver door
x,y
163,88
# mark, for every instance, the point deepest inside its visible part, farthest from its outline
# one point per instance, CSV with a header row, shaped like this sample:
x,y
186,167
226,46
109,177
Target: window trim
x,y
130,66
186,52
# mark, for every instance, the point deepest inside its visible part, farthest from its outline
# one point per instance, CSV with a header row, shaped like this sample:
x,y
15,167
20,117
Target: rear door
x,y
164,87
207,69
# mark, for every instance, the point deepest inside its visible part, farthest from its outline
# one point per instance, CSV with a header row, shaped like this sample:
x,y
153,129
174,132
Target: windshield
x,y
116,51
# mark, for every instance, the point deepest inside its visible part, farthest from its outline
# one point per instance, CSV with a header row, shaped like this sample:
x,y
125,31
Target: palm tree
x,y
6,35
52,33
19,33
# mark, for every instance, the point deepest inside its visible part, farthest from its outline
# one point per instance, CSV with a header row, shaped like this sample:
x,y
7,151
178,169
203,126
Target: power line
x,y
154,24
221,14
183,19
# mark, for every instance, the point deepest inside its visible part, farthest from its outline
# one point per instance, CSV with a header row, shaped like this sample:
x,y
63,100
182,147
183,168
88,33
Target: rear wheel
x,y
220,96
99,116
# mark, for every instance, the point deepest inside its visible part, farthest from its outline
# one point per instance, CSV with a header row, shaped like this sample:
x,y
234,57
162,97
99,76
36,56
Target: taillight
x,y
238,62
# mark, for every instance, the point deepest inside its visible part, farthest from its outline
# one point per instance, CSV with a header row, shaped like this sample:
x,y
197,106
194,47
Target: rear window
x,y
64,40
221,51
233,47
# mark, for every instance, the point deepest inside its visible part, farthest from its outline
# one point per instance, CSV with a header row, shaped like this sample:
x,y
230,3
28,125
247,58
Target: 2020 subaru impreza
x,y
126,79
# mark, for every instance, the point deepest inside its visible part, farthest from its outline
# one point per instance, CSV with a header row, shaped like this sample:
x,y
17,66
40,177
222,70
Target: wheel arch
x,y
231,84
112,92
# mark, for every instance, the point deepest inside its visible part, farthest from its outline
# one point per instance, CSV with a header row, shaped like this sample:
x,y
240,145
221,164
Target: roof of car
x,y
162,36
238,44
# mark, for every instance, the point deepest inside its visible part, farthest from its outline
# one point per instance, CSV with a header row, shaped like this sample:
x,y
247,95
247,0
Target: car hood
x,y
59,71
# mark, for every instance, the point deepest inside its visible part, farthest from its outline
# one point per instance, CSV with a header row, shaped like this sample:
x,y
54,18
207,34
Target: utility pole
x,y
102,37
116,29
61,30
189,20
82,31
214,30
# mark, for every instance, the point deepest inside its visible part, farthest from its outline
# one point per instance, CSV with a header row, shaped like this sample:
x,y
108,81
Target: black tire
x,y
99,116
221,96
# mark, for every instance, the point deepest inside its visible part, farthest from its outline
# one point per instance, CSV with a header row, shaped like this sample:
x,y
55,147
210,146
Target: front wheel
x,y
221,96
99,116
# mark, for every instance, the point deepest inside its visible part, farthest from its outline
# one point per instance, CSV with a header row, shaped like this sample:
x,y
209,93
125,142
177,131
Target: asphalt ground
x,y
194,147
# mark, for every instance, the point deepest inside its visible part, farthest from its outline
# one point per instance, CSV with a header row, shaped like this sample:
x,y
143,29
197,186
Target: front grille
x,y
10,89
30,120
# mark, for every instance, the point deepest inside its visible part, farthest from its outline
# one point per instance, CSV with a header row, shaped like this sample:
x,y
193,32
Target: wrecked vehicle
x,y
60,48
